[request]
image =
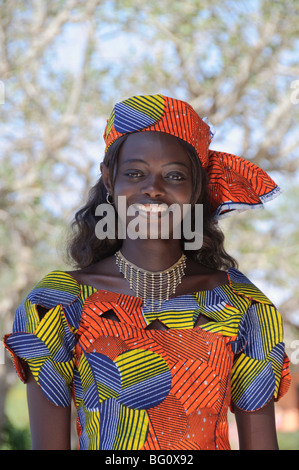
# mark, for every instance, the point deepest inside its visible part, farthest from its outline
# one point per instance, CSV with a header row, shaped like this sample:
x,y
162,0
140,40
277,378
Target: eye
x,y
176,176
133,173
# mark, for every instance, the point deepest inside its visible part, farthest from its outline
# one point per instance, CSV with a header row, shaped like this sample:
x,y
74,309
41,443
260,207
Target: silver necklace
x,y
152,286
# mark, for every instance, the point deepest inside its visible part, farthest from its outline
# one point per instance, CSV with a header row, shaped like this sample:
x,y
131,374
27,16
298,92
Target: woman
x,y
153,337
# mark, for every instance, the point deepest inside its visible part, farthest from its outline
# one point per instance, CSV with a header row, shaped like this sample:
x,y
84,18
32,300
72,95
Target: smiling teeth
x,y
153,208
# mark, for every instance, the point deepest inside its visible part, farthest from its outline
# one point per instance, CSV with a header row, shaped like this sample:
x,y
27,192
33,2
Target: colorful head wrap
x,y
235,184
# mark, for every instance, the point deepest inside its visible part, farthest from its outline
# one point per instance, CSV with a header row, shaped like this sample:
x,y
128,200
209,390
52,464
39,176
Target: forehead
x,y
153,145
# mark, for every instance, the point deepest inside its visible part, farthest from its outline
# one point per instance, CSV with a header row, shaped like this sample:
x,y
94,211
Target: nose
x,y
153,187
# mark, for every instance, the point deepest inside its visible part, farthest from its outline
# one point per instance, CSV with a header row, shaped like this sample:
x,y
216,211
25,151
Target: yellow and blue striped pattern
x,y
136,113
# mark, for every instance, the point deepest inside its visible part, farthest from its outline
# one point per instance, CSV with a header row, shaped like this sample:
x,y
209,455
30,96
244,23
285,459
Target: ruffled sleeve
x,y
261,368
46,346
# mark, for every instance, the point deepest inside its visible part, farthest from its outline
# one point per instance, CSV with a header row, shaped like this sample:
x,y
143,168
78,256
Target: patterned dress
x,y
151,380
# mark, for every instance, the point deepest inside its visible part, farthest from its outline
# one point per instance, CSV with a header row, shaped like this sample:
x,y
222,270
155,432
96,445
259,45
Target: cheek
x,y
184,195
122,188
123,195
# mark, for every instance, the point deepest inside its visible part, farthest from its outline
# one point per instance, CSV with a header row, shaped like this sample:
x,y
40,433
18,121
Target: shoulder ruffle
x,y
242,311
56,288
228,303
46,346
261,367
241,285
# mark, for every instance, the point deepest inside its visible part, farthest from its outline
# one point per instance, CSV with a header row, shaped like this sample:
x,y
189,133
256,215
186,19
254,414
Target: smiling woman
x,y
152,338
157,186
87,246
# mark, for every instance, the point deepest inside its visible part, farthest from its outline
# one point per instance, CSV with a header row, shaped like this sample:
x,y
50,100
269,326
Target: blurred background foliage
x,y
63,63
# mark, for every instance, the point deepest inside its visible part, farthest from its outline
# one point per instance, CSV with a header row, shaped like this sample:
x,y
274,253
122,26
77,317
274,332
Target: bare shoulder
x,y
194,268
199,277
105,275
97,268
101,275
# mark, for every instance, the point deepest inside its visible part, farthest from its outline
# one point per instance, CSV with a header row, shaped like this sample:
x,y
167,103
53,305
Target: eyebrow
x,y
134,160
176,163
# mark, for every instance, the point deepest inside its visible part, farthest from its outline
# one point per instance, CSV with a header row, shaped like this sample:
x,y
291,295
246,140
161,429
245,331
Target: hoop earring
x,y
107,199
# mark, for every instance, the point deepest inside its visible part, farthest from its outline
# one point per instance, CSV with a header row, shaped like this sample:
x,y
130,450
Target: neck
x,y
152,255
156,281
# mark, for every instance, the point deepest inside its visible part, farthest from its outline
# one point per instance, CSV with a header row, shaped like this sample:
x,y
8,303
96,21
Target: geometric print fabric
x,y
235,184
137,387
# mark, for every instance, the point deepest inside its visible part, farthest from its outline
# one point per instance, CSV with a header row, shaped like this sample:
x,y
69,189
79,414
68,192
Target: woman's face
x,y
154,172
